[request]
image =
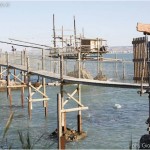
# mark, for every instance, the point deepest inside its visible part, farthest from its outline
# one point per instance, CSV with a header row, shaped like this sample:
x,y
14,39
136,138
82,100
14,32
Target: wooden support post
x,y
116,70
123,69
24,56
61,138
144,52
98,71
38,69
14,75
29,98
1,70
9,93
22,97
54,34
45,103
62,38
66,67
21,64
79,119
29,90
9,96
51,64
62,94
25,59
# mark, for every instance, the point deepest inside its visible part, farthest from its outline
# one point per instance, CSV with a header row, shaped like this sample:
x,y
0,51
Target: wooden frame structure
x,y
141,56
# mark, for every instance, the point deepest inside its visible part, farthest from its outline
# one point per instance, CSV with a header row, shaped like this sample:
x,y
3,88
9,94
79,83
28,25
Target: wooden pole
x,y
144,62
79,120
38,69
61,139
14,75
22,97
116,70
75,42
21,64
123,69
62,94
29,90
9,93
62,38
9,96
97,58
24,58
1,70
45,103
54,35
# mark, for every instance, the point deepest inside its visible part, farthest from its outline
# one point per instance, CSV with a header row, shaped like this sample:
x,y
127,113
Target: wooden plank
x,y
16,86
39,99
73,98
38,90
59,118
143,28
74,109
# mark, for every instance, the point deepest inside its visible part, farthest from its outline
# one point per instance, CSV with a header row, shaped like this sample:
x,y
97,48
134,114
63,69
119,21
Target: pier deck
x,y
73,80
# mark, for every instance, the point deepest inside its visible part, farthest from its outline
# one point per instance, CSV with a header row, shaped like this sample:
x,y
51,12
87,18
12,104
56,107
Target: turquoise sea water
x,y
106,127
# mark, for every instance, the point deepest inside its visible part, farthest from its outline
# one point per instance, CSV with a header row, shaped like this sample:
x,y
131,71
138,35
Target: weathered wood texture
x,y
140,58
143,28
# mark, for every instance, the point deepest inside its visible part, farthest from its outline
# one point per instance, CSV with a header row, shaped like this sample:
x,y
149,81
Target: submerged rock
x,y
84,74
100,77
70,135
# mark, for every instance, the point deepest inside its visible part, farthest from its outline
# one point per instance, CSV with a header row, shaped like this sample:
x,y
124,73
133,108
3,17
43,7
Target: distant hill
x,y
120,49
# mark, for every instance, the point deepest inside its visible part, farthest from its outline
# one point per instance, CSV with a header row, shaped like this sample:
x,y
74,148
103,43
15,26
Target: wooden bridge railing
x,y
41,60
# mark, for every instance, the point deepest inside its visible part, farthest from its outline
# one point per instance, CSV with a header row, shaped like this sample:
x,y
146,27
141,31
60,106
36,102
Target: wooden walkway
x,y
72,80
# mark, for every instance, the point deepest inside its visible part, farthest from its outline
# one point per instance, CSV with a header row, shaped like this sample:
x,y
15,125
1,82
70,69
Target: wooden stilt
x,y
29,90
79,120
62,94
14,75
10,96
22,97
45,103
29,100
123,69
79,125
116,70
1,74
59,119
61,138
9,93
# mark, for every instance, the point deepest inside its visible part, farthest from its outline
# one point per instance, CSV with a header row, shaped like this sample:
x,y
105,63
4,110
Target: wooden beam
x,y
66,101
16,86
73,98
59,125
74,109
16,77
143,28
38,90
39,99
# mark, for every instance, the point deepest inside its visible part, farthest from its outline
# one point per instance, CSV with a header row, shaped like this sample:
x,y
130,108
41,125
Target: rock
x,y
100,77
84,74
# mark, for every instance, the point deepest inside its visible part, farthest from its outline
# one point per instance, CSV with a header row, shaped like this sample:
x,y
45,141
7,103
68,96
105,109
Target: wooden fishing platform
x,y
53,65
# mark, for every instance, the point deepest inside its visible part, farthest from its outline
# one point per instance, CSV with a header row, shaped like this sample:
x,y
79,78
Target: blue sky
x,y
114,21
